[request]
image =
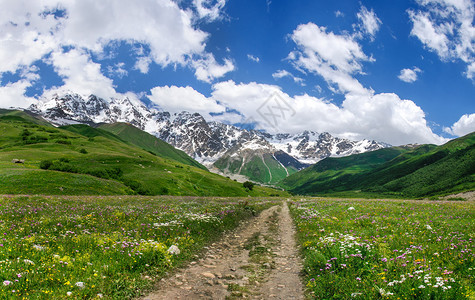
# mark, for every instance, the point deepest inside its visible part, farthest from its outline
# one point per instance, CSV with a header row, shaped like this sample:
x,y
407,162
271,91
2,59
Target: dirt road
x,y
258,261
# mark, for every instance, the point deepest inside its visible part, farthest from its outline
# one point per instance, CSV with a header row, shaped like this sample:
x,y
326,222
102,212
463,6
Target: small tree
x,y
248,185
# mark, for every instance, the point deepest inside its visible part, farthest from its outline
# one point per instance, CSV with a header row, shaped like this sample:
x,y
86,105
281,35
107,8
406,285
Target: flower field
x,y
104,247
387,249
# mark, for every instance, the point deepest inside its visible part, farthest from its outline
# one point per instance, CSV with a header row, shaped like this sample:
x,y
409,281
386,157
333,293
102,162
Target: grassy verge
x,y
387,249
110,247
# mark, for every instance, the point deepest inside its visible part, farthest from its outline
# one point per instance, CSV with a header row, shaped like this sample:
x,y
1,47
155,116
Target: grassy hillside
x,y
6,114
149,142
85,161
262,168
324,174
427,170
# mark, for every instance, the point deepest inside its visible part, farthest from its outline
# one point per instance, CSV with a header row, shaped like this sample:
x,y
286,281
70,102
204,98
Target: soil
x,y
259,260
467,195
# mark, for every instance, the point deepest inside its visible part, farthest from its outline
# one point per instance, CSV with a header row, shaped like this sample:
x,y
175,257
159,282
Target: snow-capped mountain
x,y
310,147
205,141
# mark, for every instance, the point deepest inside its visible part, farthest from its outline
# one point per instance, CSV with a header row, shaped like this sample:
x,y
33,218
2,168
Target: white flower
x,y
428,227
100,295
422,286
7,282
173,250
38,247
80,284
351,208
29,262
384,293
69,293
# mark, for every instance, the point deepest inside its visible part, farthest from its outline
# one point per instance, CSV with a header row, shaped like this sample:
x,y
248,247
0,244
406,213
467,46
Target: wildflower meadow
x,y
373,249
104,247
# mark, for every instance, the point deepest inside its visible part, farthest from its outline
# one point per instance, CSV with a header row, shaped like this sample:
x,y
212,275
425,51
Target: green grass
x,y
88,151
259,168
117,247
331,169
423,172
150,143
387,249
6,114
34,181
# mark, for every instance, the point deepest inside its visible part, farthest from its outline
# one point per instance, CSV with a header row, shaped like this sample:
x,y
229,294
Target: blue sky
x,y
395,71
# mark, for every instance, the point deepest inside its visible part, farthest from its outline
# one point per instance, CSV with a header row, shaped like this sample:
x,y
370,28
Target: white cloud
x,y
39,30
177,99
253,58
13,94
143,64
362,114
465,125
369,22
433,37
470,70
335,57
339,14
383,117
207,69
209,9
284,73
80,75
117,70
409,75
446,27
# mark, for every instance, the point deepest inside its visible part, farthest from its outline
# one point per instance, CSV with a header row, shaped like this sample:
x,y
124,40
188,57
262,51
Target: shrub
x,y
63,142
46,164
83,151
248,185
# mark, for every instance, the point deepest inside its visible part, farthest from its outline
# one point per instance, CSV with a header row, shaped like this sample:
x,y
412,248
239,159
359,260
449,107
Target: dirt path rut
x,y
258,261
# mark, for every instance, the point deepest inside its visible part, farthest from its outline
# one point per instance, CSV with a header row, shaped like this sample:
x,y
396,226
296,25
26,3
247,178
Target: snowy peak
x,y
310,147
204,141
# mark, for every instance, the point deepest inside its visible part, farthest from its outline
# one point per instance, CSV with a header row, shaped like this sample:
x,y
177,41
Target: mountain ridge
x,y
205,141
421,171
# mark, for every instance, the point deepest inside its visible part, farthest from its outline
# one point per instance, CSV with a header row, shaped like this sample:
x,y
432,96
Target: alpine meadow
x,y
237,149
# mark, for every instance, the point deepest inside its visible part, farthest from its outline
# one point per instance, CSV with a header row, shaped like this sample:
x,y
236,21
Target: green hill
x,y
87,161
149,142
263,168
6,114
427,170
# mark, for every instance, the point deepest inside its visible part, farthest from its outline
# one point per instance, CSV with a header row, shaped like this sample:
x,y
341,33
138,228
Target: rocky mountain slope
x,y
229,148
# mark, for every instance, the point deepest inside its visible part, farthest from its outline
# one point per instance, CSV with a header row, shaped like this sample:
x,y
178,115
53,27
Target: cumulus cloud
x,y
409,75
383,117
339,14
284,73
177,99
142,64
369,23
209,9
208,69
465,125
446,28
335,57
40,30
253,58
80,74
362,114
13,94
